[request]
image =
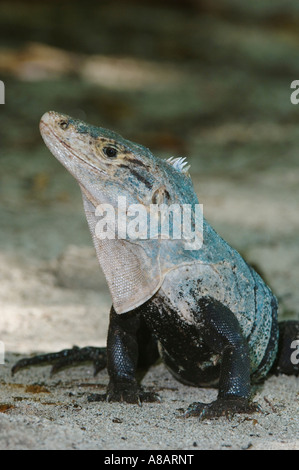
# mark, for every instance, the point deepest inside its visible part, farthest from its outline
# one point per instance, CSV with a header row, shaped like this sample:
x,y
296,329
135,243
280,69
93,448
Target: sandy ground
x,y
54,414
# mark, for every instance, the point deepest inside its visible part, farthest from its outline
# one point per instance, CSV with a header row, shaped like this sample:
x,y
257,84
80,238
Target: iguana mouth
x,y
50,132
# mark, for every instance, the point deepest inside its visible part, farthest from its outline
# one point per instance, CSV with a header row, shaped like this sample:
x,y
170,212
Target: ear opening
x,y
161,196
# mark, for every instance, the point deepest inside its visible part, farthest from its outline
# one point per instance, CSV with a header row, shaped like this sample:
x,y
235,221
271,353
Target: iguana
x,y
205,311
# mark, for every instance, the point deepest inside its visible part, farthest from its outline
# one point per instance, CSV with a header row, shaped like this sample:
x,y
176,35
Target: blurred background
x,y
209,80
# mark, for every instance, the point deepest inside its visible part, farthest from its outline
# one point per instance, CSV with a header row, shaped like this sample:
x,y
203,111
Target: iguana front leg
x,y
122,360
122,357
222,333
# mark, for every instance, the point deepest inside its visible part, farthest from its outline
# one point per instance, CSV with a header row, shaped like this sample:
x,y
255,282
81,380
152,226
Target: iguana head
x,y
107,166
118,167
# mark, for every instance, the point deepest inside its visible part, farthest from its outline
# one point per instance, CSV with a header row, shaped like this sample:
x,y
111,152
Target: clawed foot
x,y
66,358
125,392
227,407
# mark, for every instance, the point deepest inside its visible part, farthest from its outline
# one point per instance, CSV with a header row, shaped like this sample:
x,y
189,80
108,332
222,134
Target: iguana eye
x,y
110,152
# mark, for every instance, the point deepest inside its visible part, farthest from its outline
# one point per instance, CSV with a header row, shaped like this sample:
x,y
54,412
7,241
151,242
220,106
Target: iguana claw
x,y
136,397
227,407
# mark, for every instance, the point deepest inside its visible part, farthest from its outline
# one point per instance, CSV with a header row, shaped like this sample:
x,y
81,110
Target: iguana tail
x,y
66,358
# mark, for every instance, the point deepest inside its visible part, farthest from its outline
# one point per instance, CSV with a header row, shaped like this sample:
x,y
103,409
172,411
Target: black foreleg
x,y
124,342
222,333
